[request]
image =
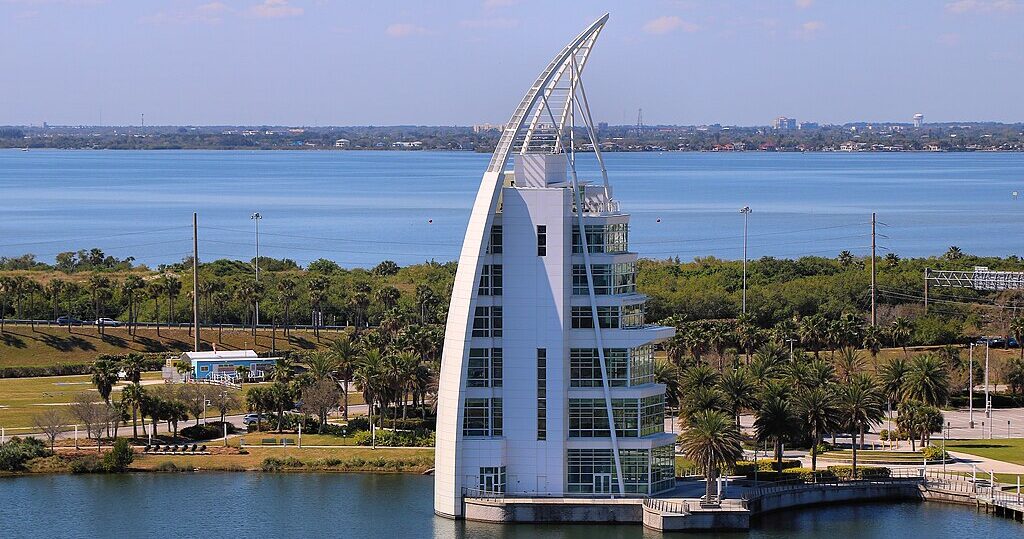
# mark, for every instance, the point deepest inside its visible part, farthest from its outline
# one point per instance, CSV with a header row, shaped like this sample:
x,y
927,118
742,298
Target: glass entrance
x,y
602,483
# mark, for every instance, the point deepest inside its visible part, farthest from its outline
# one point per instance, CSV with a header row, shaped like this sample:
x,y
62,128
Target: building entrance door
x,y
602,483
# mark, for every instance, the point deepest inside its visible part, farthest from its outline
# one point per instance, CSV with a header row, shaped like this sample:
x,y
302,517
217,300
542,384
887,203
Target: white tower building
x,y
918,120
547,377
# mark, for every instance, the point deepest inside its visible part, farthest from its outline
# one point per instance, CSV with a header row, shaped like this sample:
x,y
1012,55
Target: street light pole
x,y
256,220
745,210
970,386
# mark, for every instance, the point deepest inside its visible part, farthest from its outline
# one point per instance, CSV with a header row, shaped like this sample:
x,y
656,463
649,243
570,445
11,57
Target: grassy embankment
x,y
1006,450
22,346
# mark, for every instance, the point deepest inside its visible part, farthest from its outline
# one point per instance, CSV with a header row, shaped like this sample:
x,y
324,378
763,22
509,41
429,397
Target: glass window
x,y
583,318
484,368
482,417
588,418
633,315
602,238
492,479
643,471
542,240
490,280
608,278
487,322
495,246
585,367
496,417
542,394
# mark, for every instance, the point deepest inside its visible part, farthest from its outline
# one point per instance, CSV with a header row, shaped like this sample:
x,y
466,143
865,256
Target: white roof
x,y
220,355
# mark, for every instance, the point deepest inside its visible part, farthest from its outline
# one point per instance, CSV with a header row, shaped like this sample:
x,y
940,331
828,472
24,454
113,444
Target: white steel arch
x,y
525,131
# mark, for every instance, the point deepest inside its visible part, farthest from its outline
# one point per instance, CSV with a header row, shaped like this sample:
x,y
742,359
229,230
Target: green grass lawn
x,y
1006,450
22,398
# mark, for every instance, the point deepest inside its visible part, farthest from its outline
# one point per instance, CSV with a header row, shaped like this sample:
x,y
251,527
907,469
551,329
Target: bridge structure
x,y
979,278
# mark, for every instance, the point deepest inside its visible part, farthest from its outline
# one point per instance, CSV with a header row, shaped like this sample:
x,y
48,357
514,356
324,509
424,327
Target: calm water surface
x,y
360,207
185,506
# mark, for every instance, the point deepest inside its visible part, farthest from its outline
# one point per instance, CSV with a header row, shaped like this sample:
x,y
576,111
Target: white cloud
x,y
982,6
209,13
804,4
669,23
489,23
275,9
404,29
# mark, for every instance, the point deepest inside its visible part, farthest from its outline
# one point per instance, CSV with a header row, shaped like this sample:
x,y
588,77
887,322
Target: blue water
x,y
360,207
248,505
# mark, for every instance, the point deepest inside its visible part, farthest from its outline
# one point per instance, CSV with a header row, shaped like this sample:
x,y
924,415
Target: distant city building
x,y
402,145
784,123
481,128
341,143
918,120
807,125
602,127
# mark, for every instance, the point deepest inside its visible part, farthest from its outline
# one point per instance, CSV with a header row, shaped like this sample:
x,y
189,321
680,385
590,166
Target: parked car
x,y
69,320
992,342
252,419
109,322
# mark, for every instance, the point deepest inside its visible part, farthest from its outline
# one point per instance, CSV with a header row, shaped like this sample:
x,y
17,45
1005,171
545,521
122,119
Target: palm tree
x,y
893,376
172,286
872,342
71,292
818,412
740,389
53,291
849,363
900,331
953,253
1017,328
220,298
812,331
129,291
748,335
368,375
100,288
321,365
860,405
287,294
345,354
105,375
712,441
133,395
243,374
892,260
132,365
317,287
8,288
156,291
774,421
359,304
927,380
387,297
32,288
845,258
667,373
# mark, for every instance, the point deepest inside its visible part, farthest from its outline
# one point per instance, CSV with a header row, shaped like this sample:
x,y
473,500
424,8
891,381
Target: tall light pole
x,y
256,220
745,210
970,386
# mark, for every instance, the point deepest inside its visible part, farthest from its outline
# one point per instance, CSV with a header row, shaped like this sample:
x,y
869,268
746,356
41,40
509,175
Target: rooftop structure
x,y
219,365
547,378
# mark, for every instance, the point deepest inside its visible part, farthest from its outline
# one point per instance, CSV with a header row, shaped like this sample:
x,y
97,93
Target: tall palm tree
x,y
172,286
321,365
849,363
953,253
740,389
892,377
368,375
8,288
775,421
667,373
53,291
287,294
900,331
712,441
317,287
812,331
927,380
99,287
346,354
818,411
71,292
387,297
748,335
133,395
130,289
845,258
32,288
860,403
156,291
872,342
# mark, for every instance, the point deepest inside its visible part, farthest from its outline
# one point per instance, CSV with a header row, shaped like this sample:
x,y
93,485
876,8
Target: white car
x,y
109,322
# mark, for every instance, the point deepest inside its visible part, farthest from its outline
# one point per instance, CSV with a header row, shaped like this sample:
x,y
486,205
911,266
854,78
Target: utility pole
x,y
926,291
256,219
874,318
970,386
745,210
988,403
195,279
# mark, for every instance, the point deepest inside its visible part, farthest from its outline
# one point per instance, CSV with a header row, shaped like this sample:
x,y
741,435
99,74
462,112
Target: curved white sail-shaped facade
x,y
547,385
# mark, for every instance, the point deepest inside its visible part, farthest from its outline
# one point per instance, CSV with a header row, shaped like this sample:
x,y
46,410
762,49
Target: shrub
x,y
87,464
168,466
118,459
16,452
388,438
274,464
932,453
208,431
863,472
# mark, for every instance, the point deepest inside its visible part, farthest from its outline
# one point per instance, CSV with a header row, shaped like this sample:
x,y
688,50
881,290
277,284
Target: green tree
x,y
132,396
900,331
99,287
712,441
130,289
287,294
775,421
860,405
740,389
105,375
927,380
819,413
346,355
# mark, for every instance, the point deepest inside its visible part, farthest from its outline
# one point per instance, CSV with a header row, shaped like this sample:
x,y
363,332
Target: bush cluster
x,y
18,451
863,472
274,464
746,467
932,453
388,438
208,431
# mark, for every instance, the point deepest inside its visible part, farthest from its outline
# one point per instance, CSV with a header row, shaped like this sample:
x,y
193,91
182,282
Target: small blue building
x,y
222,365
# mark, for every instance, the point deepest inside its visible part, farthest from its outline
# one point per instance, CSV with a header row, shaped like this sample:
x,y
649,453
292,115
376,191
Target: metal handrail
x,y
667,506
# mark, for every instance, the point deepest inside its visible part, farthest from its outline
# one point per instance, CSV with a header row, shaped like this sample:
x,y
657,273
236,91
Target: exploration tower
x,y
547,381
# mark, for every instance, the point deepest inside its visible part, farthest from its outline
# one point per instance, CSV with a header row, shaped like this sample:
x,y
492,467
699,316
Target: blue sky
x,y
458,62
